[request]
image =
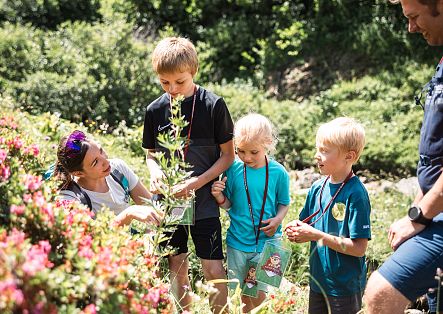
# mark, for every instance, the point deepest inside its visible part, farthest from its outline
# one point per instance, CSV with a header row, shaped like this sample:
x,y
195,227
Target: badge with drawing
x,y
185,213
339,211
250,282
273,262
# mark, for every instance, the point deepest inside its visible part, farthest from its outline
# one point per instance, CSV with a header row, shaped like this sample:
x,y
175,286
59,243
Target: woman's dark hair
x,y
70,155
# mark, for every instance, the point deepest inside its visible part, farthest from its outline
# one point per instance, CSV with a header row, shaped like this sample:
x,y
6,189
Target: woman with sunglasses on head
x,y
101,181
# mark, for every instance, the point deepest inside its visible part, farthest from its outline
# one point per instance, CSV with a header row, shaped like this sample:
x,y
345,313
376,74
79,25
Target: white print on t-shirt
x,y
161,128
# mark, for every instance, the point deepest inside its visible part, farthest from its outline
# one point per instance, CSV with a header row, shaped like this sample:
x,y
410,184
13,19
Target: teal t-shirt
x,y
348,216
240,233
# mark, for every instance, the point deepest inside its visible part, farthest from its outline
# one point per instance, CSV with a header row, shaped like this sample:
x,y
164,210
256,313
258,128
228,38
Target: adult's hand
x,y
401,230
141,213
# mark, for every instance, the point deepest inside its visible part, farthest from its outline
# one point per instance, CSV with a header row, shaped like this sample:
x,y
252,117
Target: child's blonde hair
x,y
255,128
345,133
175,54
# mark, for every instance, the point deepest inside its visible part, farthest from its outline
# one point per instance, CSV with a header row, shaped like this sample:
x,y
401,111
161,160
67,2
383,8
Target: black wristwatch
x,y
416,215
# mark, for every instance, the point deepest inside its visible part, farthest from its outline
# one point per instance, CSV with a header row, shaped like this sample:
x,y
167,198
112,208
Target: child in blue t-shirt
x,y
255,189
335,218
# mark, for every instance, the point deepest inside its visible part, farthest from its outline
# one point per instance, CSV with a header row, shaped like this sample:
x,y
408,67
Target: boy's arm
x,y
304,233
223,162
353,247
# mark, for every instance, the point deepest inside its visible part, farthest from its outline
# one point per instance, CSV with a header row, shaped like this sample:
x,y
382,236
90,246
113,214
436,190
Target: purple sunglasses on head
x,y
73,144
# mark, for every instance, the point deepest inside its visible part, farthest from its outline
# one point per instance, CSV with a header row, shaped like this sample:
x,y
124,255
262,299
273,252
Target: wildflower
x,y
17,210
5,172
90,309
31,182
3,155
16,143
32,150
37,258
9,290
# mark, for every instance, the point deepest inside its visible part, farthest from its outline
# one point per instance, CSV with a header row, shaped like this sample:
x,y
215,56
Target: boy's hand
x,y
187,188
272,226
290,229
294,223
156,181
302,233
218,187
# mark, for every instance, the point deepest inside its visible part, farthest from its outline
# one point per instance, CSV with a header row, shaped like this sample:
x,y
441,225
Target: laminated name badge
x,y
273,262
185,213
250,284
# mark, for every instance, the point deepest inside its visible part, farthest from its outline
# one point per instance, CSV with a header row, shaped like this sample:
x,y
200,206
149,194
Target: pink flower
x,y
85,247
38,199
16,237
48,213
17,143
37,258
90,309
31,182
5,172
17,210
86,252
32,150
27,198
153,297
3,155
8,290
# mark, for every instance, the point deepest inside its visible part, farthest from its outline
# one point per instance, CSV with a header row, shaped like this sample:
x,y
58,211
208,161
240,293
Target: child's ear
x,y
351,156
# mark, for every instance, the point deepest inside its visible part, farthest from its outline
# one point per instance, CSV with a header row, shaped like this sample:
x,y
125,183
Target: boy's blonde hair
x,y
175,54
345,133
255,128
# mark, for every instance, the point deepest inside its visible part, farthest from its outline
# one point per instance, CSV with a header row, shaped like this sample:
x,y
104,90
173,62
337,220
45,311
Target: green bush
x,y
86,72
48,13
20,52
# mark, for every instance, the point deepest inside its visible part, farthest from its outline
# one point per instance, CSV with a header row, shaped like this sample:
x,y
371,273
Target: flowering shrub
x,y
54,257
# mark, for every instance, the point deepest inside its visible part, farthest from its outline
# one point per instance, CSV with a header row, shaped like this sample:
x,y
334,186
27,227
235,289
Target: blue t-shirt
x,y
338,274
431,134
240,234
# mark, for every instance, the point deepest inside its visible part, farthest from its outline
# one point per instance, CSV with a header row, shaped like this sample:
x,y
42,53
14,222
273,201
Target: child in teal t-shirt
x,y
336,219
245,193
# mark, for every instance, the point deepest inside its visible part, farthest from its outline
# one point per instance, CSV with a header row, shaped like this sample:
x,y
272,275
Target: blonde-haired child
x,y
336,219
256,190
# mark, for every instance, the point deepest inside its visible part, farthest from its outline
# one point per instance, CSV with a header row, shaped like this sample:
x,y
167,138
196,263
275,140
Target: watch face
x,y
414,212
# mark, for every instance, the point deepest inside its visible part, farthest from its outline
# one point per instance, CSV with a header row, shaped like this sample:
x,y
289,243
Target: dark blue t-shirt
x,y
431,135
348,216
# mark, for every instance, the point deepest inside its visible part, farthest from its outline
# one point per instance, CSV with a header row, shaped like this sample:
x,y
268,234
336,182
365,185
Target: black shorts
x,y
207,237
338,305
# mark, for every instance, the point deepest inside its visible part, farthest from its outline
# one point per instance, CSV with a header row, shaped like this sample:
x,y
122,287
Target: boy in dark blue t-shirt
x,y
335,218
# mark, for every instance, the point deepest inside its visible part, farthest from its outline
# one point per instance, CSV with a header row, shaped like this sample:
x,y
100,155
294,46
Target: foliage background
x,y
300,62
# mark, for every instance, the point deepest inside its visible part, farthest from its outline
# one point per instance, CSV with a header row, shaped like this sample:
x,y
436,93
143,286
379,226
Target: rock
x,y
408,186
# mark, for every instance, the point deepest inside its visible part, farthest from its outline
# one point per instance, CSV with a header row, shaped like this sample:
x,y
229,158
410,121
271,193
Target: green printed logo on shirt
x,y
338,211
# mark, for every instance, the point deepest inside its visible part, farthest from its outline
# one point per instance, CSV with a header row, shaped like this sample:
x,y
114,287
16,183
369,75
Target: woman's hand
x,y
146,214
